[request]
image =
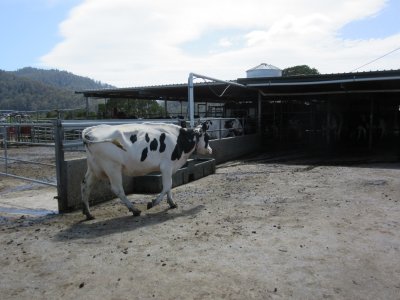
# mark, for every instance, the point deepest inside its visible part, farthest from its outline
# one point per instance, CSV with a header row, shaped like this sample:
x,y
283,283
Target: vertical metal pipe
x,y
5,148
191,100
220,128
61,188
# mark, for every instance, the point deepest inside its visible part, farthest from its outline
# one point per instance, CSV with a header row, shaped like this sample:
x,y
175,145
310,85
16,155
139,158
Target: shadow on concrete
x,y
100,228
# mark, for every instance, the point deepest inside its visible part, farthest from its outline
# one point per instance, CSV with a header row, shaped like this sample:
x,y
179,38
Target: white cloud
x,y
140,42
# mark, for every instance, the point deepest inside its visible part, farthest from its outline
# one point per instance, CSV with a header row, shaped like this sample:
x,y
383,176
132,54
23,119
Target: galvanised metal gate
x,y
25,134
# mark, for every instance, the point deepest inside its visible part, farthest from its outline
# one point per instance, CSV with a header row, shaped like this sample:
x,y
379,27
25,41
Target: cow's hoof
x,y
149,205
89,217
173,206
135,212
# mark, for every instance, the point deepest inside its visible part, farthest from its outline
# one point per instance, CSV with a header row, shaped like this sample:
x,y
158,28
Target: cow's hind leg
x,y
171,202
86,187
117,188
167,185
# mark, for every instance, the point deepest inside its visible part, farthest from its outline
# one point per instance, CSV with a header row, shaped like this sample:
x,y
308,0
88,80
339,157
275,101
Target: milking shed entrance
x,y
329,111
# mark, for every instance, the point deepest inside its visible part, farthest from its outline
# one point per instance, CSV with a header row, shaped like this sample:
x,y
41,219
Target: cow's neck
x,y
185,144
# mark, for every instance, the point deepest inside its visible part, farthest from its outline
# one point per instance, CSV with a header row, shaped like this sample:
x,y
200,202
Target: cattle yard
x,y
312,215
263,227
63,140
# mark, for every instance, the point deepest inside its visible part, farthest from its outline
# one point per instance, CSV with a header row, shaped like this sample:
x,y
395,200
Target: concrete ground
x,y
257,229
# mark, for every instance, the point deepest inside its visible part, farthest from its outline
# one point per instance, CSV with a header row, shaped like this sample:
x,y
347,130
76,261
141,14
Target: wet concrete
x,y
27,211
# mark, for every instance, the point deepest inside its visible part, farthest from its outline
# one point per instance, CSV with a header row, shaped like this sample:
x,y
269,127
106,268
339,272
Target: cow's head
x,y
202,137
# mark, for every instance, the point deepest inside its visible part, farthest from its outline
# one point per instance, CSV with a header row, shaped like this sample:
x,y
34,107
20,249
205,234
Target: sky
x,y
148,42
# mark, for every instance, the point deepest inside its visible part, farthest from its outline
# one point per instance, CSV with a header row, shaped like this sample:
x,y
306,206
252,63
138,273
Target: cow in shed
x,y
136,150
222,128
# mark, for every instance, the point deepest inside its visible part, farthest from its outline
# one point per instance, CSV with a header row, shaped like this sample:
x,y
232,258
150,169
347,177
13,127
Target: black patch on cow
x,y
184,143
147,137
154,145
162,142
133,138
228,124
144,154
206,139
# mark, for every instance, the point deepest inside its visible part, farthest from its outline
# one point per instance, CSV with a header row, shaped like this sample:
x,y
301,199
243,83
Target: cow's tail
x,y
88,141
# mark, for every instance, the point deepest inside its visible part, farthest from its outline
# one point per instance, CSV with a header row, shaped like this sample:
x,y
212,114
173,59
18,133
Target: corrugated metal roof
x,y
289,87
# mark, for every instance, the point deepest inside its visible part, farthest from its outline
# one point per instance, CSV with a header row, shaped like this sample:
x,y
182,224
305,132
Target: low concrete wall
x,y
75,170
223,150
235,147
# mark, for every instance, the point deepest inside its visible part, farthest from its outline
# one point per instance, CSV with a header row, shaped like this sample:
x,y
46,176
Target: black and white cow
x,y
136,150
222,128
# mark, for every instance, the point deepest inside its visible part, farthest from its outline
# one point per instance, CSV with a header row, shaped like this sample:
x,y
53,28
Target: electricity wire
x,y
372,61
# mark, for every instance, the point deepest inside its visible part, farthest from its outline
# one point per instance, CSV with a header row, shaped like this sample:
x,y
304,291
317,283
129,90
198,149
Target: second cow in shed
x,y
136,150
222,128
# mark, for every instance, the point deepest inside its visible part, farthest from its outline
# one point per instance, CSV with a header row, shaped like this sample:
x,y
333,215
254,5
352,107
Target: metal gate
x,y
25,134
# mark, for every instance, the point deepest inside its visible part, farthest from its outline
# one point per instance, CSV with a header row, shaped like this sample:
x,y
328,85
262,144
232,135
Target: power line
x,y
376,59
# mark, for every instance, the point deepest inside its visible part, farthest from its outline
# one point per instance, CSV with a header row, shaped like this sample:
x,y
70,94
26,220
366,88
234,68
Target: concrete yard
x,y
258,228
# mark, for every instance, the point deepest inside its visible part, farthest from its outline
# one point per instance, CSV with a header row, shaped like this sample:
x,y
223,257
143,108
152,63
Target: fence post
x,y
60,166
5,149
220,128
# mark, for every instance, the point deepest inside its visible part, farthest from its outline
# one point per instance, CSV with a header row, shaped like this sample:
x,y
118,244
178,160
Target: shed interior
x,y
335,111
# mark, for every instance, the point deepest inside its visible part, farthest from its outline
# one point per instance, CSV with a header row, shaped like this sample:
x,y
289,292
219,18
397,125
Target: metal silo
x,y
264,70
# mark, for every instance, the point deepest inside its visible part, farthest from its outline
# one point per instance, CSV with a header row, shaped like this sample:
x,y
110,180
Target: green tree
x,y
132,108
300,70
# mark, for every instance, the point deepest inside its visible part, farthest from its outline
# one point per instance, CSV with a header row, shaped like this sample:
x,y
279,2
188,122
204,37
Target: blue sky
x,y
29,29
137,42
384,24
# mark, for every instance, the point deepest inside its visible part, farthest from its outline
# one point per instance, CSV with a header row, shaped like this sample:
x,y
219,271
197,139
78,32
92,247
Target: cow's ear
x,y
183,124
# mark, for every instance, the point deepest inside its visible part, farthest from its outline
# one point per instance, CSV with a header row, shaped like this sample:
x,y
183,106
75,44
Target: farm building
x,y
330,110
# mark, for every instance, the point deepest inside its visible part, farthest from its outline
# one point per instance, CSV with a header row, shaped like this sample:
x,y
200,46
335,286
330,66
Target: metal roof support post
x,y
87,107
165,109
259,114
328,123
371,123
191,99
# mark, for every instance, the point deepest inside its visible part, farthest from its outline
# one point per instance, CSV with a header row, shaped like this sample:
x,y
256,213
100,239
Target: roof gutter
x,y
323,82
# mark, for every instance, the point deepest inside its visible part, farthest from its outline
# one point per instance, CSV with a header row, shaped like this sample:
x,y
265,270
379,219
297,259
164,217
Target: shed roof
x,y
285,87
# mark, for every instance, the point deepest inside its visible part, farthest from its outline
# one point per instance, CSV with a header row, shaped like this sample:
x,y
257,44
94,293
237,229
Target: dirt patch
x,y
254,230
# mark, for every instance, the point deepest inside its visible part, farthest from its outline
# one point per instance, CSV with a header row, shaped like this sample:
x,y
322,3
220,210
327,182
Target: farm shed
x,y
337,111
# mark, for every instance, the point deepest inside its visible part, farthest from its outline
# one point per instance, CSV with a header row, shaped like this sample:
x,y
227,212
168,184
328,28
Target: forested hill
x,y
60,79
35,89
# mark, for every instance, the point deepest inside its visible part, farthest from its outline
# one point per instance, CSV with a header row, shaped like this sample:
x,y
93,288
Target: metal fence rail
x,y
23,134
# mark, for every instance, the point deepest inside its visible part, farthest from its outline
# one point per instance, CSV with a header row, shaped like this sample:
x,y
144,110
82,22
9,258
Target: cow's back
x,y
137,149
